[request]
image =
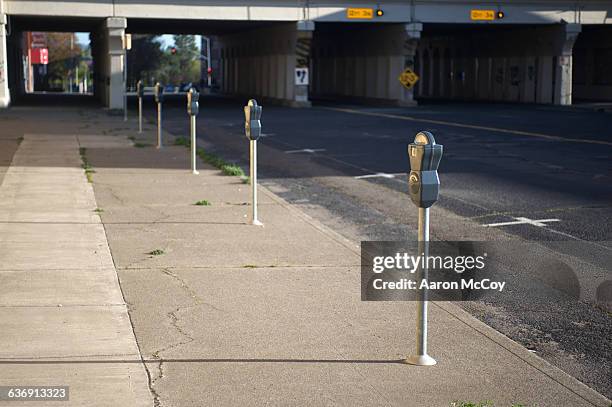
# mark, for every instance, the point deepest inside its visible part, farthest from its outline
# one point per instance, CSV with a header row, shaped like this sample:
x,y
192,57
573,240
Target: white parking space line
x,y
524,221
377,175
306,150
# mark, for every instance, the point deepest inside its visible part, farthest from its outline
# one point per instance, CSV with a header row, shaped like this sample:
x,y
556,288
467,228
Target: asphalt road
x,y
346,165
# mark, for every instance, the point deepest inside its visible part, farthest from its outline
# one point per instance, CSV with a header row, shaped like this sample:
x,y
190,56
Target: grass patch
x,y
89,171
182,141
19,140
216,161
142,145
131,138
249,266
98,210
156,252
245,179
203,202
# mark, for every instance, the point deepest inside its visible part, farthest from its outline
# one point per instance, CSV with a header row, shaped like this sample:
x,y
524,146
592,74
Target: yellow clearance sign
x,y
408,78
359,13
482,15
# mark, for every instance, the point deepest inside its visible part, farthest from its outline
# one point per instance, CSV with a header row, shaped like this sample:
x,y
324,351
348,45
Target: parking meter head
x,y
139,89
252,122
423,181
159,93
193,106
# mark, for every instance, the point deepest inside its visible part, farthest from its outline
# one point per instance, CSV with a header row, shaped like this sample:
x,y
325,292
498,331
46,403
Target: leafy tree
x,y
182,65
144,59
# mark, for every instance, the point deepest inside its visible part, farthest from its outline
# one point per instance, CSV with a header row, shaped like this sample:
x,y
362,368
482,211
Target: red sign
x,y
39,56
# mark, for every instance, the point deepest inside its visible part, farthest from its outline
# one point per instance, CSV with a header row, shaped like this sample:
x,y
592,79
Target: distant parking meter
x,y
159,98
252,124
159,93
193,108
140,94
423,181
423,187
139,89
252,130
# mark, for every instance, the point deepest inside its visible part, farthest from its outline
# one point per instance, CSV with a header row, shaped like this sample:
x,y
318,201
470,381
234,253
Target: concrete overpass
x,y
526,56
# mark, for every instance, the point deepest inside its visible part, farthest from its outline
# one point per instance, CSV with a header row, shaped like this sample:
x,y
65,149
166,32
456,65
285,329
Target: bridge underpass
x,y
527,57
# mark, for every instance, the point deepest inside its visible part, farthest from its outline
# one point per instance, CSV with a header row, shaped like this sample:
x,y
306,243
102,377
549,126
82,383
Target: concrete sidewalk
x,y
226,313
63,320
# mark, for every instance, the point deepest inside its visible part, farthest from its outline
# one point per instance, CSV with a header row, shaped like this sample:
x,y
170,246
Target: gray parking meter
x,y
423,181
423,187
252,130
159,99
252,123
140,94
193,106
159,93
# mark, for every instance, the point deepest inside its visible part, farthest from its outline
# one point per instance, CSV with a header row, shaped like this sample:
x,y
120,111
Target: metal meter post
x,y
193,108
159,99
252,128
424,186
140,94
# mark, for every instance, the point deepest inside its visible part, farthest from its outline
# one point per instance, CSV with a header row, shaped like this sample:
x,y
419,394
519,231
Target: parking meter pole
x,y
193,144
125,85
159,125
423,186
139,114
252,129
423,245
253,176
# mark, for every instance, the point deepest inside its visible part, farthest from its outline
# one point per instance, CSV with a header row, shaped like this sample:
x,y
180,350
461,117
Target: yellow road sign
x,y
482,15
359,13
408,78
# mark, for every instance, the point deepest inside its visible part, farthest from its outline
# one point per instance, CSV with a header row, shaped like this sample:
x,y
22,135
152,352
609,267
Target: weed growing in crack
x,y
203,202
156,252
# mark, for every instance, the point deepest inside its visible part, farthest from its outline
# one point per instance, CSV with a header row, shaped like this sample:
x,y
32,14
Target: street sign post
x,y
159,99
408,78
140,94
193,108
252,129
423,187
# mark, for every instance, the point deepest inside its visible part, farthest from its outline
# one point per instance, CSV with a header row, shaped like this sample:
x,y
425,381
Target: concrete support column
x,y
303,47
5,96
563,68
115,31
413,34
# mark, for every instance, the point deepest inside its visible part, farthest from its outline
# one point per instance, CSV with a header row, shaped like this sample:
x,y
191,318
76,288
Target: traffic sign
x,y
359,13
301,76
408,78
482,15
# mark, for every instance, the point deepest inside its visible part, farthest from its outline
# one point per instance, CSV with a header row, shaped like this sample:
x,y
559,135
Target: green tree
x,y
144,59
183,65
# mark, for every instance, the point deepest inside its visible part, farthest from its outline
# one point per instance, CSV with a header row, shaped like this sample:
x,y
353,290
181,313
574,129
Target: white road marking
x,y
377,175
306,150
524,221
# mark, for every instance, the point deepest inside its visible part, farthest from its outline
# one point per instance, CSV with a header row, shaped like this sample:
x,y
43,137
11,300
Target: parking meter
x,y
252,123
423,187
139,89
423,181
159,93
193,106
252,130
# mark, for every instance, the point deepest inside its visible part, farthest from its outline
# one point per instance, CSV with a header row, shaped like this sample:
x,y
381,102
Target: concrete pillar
x,y
563,69
5,95
115,31
411,42
303,47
